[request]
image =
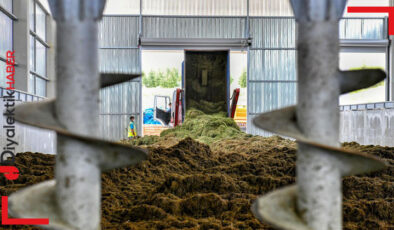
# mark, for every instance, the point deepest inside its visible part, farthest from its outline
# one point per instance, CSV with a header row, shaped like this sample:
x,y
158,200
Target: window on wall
x,y
6,43
37,81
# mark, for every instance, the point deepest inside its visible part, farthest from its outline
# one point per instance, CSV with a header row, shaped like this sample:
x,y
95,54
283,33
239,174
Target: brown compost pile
x,y
190,185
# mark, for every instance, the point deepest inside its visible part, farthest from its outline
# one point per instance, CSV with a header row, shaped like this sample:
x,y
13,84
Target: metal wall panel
x,y
273,32
269,96
119,53
124,61
372,126
353,28
6,4
114,126
118,40
272,65
119,31
272,60
120,99
193,27
270,8
117,104
252,129
195,7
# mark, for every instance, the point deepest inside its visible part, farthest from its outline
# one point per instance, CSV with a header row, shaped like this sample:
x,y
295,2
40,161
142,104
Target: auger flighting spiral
x,y
315,202
73,199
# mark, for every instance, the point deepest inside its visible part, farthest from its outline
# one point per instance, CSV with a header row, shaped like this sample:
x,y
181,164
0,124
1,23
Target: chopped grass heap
x,y
198,126
205,128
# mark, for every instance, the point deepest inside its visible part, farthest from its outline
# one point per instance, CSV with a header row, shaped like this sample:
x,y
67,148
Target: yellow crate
x,y
153,130
240,113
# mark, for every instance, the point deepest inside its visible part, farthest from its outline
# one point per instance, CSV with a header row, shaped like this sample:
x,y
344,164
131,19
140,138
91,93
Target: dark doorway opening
x,y
206,81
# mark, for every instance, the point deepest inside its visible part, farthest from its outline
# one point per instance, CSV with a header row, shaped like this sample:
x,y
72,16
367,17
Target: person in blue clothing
x,y
169,107
132,130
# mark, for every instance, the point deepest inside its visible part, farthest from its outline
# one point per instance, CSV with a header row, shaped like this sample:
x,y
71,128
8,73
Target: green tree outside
x,y
150,80
170,78
243,80
160,79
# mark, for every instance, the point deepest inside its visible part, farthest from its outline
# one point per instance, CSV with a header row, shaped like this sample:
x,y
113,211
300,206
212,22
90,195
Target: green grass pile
x,y
146,140
205,128
207,107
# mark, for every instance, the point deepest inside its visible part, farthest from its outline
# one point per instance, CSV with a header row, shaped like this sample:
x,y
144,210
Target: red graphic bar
x,y
376,9
10,172
6,221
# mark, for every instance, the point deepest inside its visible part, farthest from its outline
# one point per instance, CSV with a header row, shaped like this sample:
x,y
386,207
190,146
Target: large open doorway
x,y
162,75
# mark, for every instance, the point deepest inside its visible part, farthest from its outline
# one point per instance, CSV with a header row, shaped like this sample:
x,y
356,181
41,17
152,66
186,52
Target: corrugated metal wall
x,y
119,53
7,4
357,28
217,7
195,7
193,27
117,104
273,8
368,124
271,67
118,42
272,80
271,57
30,139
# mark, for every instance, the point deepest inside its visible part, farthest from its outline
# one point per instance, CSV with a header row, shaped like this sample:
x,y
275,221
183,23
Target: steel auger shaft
x,y
73,200
315,203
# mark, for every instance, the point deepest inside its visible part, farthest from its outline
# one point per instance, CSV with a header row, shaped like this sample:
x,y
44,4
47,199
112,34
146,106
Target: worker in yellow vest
x,y
132,131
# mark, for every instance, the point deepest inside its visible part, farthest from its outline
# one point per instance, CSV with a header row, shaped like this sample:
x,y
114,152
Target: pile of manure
x,y
191,185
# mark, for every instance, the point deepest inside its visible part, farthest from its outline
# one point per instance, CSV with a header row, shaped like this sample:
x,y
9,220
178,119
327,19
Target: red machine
x,y
177,107
170,116
234,101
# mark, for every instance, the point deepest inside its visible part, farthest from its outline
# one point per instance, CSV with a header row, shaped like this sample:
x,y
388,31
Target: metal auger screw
x,y
315,203
74,200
